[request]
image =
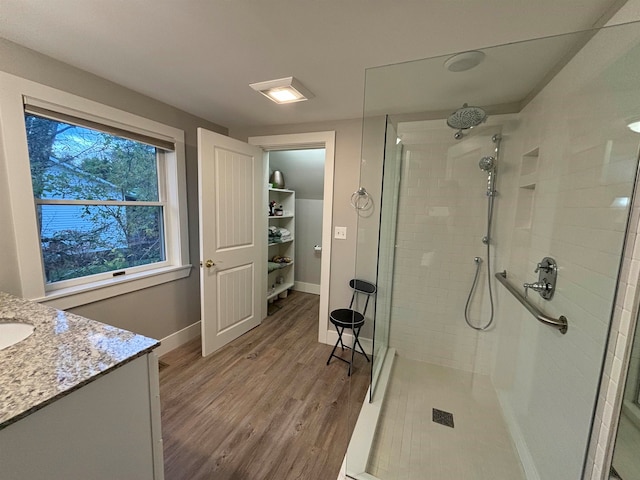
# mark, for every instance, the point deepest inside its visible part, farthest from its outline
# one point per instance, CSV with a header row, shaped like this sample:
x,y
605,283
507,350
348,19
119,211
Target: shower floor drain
x,y
442,417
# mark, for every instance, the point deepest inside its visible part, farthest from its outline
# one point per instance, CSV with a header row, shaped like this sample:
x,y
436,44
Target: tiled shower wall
x,y
568,168
442,218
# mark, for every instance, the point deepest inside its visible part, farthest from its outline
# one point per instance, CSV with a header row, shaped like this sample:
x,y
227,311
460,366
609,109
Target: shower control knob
x,y
547,271
539,286
547,267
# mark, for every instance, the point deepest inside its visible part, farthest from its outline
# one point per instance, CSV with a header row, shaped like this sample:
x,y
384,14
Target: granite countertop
x,y
65,352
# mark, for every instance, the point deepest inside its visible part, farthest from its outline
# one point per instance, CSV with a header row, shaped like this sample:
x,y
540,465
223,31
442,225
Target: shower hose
x,y
478,262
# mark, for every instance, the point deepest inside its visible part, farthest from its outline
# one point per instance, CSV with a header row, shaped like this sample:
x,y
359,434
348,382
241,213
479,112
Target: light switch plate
x,y
341,233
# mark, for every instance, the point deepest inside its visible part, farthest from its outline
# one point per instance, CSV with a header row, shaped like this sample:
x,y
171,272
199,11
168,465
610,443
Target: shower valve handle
x,y
539,286
545,266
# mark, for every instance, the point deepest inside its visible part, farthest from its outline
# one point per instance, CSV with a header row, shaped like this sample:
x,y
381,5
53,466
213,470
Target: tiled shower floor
x,y
410,446
625,455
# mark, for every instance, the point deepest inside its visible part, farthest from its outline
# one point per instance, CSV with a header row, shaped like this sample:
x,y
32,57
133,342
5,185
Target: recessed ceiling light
x,y
464,61
283,90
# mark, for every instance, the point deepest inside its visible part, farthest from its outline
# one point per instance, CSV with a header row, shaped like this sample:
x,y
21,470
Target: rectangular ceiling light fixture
x,y
283,90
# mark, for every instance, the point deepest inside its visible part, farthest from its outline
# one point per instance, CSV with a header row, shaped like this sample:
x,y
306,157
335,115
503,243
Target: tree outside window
x,y
98,198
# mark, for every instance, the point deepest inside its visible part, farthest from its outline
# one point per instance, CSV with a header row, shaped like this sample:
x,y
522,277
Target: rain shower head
x,y
465,118
487,164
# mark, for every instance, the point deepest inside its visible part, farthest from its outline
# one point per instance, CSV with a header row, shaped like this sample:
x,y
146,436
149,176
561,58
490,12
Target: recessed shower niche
x,y
527,190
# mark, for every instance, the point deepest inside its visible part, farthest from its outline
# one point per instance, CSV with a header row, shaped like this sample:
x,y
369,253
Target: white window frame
x,y
14,154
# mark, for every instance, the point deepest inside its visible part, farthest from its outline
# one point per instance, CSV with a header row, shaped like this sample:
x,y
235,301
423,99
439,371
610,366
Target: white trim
x,y
361,441
66,298
14,154
307,287
343,470
326,140
154,408
177,339
90,203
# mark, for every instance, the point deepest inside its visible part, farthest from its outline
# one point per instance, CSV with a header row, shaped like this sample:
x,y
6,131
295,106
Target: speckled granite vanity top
x,y
65,352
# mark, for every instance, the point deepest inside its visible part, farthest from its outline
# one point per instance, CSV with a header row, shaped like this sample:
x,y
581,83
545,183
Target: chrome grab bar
x,y
559,323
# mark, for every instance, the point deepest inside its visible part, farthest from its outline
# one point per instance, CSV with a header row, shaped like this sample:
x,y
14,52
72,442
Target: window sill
x,y
83,294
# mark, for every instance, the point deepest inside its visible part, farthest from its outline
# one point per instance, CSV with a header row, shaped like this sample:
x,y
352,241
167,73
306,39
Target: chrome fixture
x,y
361,200
561,323
465,118
487,164
547,271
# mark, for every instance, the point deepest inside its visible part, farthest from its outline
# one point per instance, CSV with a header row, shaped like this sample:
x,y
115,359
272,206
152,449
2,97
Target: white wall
x,y
547,382
308,234
441,221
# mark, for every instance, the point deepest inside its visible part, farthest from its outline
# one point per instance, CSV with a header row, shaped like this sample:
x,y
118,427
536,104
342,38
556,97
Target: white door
x,y
230,185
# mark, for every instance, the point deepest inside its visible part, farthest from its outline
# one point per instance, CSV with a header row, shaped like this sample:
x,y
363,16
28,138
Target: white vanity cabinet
x,y
105,430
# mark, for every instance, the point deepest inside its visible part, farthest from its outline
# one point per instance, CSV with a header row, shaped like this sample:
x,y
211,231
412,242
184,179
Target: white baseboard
x,y
178,338
307,287
332,338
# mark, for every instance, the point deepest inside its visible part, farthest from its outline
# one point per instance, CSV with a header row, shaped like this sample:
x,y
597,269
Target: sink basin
x,y
13,332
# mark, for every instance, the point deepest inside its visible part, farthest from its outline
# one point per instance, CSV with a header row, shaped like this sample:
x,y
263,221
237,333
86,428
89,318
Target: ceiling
x,y
201,55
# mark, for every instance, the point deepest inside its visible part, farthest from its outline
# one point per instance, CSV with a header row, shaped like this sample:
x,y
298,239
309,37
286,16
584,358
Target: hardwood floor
x,y
264,407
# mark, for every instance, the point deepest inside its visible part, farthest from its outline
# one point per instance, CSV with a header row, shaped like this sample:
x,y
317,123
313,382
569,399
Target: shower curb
x,y
362,439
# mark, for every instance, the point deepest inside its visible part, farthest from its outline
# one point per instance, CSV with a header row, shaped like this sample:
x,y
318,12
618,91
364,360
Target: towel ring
x,y
361,200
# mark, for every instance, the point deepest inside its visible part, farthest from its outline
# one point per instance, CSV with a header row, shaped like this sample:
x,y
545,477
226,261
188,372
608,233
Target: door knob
x,y
209,263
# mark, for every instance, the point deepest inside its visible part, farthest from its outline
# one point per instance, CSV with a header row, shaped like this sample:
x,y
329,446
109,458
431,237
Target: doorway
x,y
303,172
300,142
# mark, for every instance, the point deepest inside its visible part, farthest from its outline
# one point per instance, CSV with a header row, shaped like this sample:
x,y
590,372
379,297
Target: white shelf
x,y
278,290
282,265
286,200
281,243
282,190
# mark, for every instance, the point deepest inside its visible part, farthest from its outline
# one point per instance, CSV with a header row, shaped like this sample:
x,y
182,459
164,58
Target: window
x,y
98,199
98,195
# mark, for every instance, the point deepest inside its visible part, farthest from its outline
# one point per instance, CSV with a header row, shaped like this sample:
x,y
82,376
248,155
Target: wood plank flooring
x,y
264,407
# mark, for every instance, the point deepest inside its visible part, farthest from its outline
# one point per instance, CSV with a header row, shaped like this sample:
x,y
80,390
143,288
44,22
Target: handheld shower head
x,y
487,164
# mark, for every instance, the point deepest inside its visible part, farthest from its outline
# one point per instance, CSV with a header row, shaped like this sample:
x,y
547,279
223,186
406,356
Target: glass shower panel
x,y
564,178
386,249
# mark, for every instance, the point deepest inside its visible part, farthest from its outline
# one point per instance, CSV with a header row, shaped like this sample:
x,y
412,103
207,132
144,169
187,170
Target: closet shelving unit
x,y
286,198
